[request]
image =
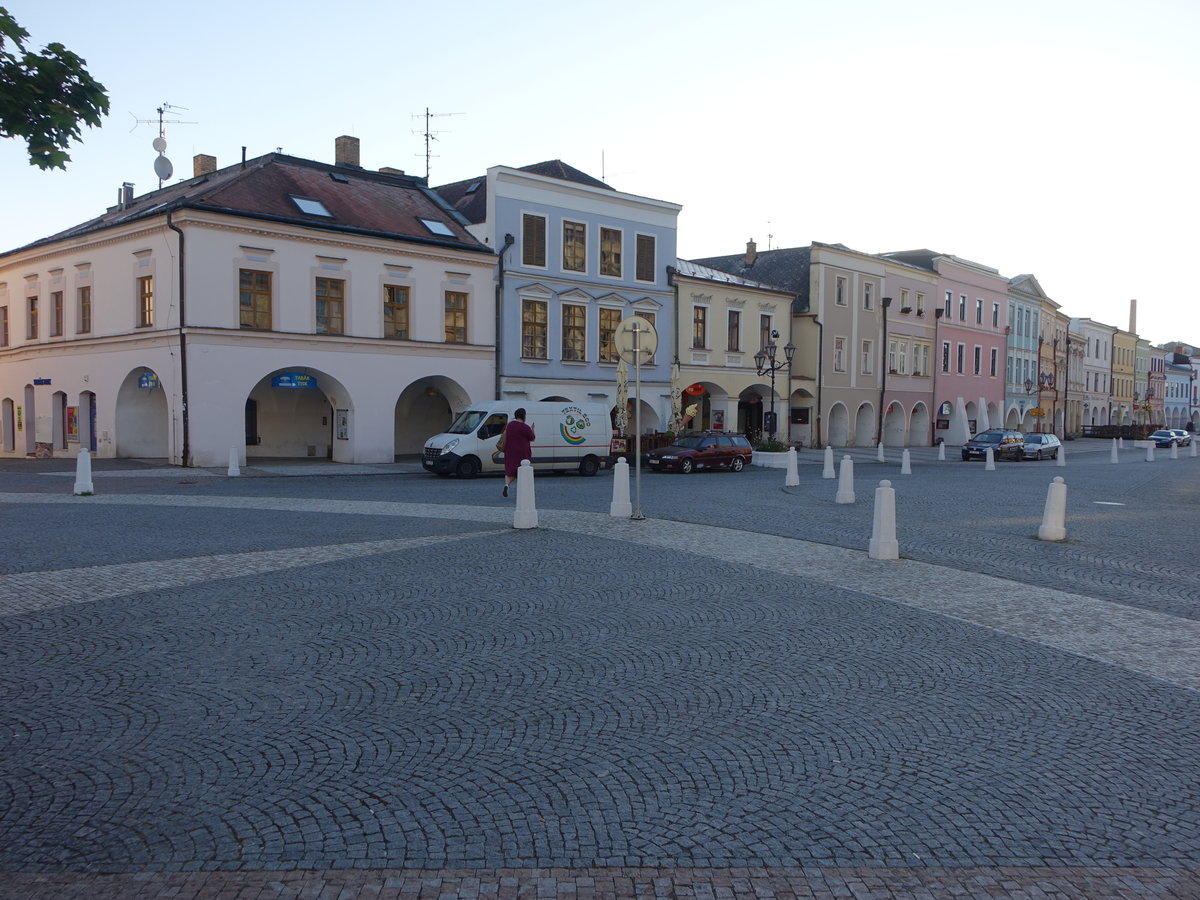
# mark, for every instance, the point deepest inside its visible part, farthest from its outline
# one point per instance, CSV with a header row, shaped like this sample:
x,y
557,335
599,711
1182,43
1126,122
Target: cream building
x,y
280,308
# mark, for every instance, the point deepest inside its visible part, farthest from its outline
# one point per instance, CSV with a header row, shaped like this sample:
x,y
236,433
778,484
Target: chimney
x,y
125,195
345,151
1133,317
203,164
388,170
751,252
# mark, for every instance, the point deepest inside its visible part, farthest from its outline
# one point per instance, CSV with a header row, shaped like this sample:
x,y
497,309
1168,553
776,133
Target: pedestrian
x,y
518,446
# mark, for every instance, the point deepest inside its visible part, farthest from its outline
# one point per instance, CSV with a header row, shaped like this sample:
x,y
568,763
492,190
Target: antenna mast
x,y
430,135
162,166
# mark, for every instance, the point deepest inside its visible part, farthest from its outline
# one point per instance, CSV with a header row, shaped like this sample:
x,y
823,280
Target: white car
x,y
1039,446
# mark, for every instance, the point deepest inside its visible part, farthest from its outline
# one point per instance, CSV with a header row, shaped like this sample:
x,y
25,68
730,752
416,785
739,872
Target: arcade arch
x,y
142,420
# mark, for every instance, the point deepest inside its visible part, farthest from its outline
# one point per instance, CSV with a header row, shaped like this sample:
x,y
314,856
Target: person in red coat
x,y
518,446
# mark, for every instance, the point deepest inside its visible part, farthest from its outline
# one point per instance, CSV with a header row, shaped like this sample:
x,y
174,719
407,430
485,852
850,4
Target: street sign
x,y
636,340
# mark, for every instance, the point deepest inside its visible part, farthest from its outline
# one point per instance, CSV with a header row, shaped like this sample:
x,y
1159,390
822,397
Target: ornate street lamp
x,y
768,363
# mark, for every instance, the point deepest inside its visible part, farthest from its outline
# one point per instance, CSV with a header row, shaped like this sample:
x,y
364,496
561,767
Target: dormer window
x,y
311,207
436,227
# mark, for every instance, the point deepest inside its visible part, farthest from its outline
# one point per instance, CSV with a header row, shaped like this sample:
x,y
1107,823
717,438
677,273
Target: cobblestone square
x,y
374,686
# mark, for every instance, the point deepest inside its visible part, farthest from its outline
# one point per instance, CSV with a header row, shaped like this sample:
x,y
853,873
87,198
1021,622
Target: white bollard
x,y
941,451
879,453
990,465
845,491
1150,453
234,469
1174,451
83,473
883,527
1054,517
1121,443
827,471
905,464
793,475
1192,448
1060,459
1112,454
620,506
525,515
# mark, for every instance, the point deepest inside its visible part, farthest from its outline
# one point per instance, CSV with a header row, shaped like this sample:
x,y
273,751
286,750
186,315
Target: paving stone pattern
x,y
354,687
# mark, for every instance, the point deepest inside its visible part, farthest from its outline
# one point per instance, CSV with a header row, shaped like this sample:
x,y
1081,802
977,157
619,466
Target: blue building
x,y
576,257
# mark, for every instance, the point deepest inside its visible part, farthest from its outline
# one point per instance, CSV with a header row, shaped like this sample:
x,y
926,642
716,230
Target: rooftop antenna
x,y
429,134
603,169
769,235
162,166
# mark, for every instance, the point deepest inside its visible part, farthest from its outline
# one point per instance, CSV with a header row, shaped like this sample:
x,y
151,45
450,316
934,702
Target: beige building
x,y
723,322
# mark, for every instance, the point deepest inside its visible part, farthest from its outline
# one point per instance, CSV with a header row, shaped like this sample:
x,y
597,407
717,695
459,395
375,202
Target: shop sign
x,y
41,381
293,380
148,380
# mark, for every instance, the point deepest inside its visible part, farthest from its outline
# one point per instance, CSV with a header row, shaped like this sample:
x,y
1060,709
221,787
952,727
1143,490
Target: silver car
x,y
1040,446
1184,437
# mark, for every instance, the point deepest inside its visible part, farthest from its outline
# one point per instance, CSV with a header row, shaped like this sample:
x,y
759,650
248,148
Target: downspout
x,y
183,369
883,367
937,367
820,376
509,240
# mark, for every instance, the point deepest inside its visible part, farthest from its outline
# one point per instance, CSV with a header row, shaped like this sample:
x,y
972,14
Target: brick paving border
x,y
853,883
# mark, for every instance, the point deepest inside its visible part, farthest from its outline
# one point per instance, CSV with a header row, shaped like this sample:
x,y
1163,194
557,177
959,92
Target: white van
x,y
570,437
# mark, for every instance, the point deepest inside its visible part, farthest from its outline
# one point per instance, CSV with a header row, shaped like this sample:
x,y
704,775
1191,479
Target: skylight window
x,y
473,188
311,207
436,227
339,177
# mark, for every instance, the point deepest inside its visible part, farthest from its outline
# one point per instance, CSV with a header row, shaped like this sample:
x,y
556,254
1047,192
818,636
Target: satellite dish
x,y
163,168
159,144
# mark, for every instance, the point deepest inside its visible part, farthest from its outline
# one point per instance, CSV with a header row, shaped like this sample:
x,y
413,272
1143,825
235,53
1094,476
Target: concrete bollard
x,y
990,457
793,474
1120,443
234,469
1192,448
942,451
845,491
879,453
1061,459
525,515
1174,451
620,506
883,527
1112,454
1054,517
827,471
905,463
83,474
1150,453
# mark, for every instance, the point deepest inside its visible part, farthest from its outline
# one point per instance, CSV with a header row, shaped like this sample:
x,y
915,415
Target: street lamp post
x,y
768,363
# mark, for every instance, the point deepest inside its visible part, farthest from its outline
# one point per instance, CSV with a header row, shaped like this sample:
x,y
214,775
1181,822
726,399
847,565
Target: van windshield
x,y
467,422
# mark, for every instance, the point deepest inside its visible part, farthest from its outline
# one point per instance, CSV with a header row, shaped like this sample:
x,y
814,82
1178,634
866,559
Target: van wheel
x,y
737,463
589,465
468,467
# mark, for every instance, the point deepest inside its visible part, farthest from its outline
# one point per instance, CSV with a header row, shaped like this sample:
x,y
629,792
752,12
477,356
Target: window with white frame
x,y
920,303
962,307
733,342
533,329
962,358
83,297
995,314
949,304
868,295
533,240
699,327
945,356
978,360
610,252
995,362
145,301
921,351
904,305
978,310
902,359
867,357
839,354
574,247
574,332
609,320
839,291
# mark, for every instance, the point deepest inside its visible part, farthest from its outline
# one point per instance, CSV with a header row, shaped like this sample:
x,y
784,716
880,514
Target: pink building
x,y
969,343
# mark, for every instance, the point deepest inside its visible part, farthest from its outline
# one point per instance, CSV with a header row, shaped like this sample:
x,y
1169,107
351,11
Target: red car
x,y
710,450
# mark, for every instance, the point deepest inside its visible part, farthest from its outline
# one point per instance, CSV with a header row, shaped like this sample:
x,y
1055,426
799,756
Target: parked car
x,y
1039,446
1165,437
1002,442
709,450
1185,438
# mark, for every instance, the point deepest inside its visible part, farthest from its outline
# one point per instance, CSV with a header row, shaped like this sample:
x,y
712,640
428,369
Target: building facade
x,y
577,258
278,308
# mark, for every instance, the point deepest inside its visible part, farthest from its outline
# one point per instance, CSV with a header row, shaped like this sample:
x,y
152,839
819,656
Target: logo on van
x,y
574,425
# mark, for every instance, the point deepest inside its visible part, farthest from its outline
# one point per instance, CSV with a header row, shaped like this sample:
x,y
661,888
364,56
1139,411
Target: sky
x,y
1052,137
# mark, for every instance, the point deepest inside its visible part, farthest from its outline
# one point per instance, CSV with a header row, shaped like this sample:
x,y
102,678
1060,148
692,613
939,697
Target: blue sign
x,y
148,380
41,381
293,380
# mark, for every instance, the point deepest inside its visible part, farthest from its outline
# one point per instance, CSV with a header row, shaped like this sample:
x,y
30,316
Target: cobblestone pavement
x,y
323,686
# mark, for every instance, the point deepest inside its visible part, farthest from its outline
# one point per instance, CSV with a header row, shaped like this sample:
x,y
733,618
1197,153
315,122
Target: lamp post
x,y
768,363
